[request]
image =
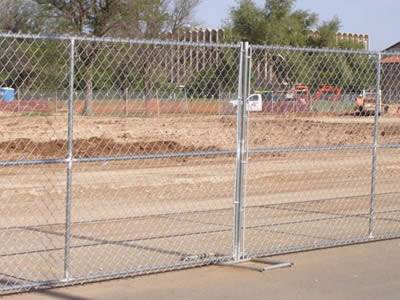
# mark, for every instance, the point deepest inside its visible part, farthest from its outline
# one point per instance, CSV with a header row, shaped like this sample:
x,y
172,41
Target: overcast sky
x,y
377,18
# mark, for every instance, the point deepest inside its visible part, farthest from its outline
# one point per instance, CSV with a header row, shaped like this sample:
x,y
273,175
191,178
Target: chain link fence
x,y
126,157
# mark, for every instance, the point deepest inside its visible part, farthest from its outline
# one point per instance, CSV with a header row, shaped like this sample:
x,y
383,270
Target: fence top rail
x,y
154,42
158,42
317,50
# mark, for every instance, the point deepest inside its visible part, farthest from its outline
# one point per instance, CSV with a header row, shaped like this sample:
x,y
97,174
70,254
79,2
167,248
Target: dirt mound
x,y
92,147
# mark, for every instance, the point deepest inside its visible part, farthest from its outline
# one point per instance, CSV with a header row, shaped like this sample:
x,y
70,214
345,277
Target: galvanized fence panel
x,y
119,158
153,177
32,153
125,157
387,182
310,169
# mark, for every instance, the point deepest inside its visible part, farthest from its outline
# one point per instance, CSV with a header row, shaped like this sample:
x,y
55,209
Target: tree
x,y
129,18
181,14
152,18
278,23
275,23
248,23
16,65
20,16
215,79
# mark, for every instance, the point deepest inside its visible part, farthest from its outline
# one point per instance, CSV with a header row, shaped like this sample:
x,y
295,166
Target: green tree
x,y
278,23
247,23
130,18
211,81
20,16
275,23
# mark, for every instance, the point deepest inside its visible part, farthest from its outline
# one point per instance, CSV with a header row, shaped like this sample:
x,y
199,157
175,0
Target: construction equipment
x,y
254,103
329,93
366,104
299,93
296,99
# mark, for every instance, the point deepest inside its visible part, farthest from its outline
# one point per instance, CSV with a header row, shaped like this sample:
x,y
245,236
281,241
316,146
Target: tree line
x,y
277,22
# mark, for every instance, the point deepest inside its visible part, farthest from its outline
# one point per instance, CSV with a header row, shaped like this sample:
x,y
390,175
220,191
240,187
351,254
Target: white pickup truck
x,y
253,103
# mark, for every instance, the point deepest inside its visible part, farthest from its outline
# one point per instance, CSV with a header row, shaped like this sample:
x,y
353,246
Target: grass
x,y
35,114
332,106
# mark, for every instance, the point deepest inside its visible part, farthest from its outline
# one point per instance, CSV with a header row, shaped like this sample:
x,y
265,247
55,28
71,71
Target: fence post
x,y
241,153
378,101
126,101
68,204
56,100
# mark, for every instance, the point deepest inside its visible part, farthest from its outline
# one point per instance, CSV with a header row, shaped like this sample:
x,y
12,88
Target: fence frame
x,y
241,152
378,100
70,145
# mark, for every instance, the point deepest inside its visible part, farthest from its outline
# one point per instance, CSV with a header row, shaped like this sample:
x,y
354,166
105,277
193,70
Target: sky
x,y
377,18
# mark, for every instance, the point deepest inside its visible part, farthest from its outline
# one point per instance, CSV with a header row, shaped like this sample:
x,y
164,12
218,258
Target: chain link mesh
x,y
388,188
32,195
152,158
120,157
312,181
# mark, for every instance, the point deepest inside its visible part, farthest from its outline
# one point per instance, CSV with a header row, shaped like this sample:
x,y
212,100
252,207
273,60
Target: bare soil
x,y
91,147
134,215
28,136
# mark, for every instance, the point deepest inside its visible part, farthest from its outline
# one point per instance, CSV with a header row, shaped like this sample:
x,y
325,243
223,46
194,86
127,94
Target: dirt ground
x,y
28,137
158,215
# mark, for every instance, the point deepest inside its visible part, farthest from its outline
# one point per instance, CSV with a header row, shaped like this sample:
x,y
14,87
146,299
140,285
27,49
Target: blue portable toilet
x,y
7,94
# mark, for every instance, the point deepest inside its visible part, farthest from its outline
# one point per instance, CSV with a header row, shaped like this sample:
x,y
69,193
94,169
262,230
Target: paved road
x,y
369,271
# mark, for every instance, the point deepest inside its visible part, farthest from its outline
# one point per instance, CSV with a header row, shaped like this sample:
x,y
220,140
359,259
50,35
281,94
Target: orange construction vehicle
x,y
299,93
366,104
328,92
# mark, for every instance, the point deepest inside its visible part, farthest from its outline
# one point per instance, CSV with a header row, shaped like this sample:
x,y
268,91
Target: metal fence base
x,y
269,264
